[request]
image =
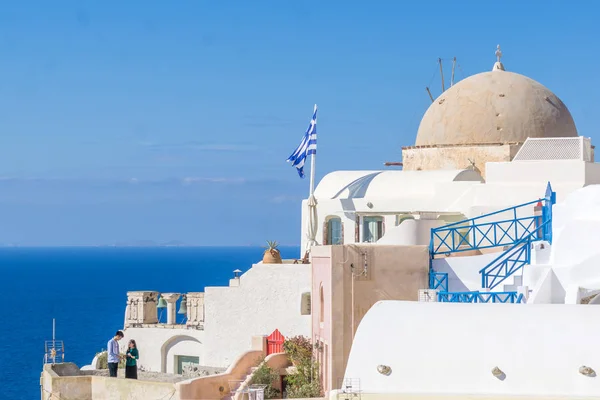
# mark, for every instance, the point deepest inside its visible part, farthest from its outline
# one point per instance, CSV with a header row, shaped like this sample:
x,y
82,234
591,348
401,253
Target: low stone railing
x,y
141,310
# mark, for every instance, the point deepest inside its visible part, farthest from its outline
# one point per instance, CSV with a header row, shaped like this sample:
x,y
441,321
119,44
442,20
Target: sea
x,y
85,290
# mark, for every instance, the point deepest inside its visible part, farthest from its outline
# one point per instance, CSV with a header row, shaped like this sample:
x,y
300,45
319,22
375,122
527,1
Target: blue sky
x,y
151,120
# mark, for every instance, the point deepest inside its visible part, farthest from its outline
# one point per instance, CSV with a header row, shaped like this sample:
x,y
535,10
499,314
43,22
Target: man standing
x,y
113,354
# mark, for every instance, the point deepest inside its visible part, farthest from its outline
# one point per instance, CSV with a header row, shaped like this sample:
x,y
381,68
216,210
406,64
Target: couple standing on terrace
x,y
114,357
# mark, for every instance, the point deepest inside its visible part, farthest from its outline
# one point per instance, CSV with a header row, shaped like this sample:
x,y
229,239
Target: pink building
x,y
346,281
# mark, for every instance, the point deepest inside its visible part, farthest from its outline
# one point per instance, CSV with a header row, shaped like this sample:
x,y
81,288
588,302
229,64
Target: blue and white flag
x,y
308,146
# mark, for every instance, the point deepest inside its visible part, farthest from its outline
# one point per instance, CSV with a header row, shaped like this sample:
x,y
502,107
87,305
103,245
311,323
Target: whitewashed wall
x,y
268,297
507,184
575,254
451,348
463,272
159,346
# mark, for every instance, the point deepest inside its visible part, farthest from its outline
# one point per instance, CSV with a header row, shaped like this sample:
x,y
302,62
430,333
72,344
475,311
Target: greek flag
x,y
307,146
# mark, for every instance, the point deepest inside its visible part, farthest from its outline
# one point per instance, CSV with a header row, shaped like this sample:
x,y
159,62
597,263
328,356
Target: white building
x,y
221,321
527,237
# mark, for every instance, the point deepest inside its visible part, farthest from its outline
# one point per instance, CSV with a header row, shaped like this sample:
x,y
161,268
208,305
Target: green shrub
x,y
298,348
305,381
265,375
103,360
305,391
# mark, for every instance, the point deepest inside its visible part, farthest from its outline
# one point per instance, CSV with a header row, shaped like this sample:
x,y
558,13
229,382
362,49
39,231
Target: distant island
x,y
151,243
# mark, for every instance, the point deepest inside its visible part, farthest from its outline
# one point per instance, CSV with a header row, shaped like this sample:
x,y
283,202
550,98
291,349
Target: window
x,y
321,305
334,233
305,304
185,364
372,229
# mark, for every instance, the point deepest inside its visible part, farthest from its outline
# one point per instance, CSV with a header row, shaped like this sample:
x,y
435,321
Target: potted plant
x,y
271,255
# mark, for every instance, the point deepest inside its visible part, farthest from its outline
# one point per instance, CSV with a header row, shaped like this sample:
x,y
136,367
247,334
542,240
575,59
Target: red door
x,y
275,342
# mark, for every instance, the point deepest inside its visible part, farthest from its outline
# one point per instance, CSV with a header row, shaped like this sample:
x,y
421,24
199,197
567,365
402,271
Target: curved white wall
x,y
181,345
405,234
411,232
451,348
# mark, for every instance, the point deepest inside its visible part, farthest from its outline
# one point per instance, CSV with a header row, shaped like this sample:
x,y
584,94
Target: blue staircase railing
x,y
471,234
510,261
480,297
475,233
439,281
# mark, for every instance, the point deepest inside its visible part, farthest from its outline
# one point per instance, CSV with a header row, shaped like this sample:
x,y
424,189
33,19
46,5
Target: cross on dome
x,y
498,53
498,66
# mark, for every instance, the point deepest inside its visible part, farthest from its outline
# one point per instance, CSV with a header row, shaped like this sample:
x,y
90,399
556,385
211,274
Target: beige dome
x,y
494,107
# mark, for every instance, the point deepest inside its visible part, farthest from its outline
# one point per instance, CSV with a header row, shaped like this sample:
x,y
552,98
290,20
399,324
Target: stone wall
x,y
456,157
66,382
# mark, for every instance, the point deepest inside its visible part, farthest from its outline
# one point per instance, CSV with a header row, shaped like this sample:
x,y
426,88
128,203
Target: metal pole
x,y
442,74
54,339
429,92
453,65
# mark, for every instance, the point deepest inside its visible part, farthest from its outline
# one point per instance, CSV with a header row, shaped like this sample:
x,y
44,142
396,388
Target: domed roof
x,y
494,107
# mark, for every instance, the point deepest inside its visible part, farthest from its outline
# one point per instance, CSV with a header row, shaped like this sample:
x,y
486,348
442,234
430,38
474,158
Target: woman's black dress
x,y
131,364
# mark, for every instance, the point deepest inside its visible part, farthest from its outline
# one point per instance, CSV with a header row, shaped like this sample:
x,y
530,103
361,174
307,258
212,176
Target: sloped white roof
x,y
388,184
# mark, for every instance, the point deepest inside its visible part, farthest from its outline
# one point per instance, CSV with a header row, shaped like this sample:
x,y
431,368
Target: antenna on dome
x,y
453,65
429,92
442,75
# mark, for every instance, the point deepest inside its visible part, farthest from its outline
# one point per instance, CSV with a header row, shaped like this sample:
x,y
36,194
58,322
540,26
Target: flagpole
x,y
312,166
312,174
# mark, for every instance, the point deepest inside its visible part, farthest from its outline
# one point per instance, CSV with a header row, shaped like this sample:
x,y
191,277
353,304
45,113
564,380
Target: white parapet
x,y
491,351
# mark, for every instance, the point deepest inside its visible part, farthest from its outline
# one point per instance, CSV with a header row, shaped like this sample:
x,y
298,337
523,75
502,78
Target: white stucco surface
x,y
159,346
351,194
575,254
463,272
392,183
451,348
268,297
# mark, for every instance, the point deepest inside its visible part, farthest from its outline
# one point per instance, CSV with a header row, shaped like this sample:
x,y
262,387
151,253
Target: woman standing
x,y
131,363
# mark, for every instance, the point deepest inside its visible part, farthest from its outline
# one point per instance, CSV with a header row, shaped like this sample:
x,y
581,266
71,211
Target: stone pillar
x,y
195,309
141,308
171,299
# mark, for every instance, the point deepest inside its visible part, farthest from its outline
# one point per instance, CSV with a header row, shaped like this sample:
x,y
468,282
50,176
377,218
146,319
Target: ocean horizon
x,y
84,288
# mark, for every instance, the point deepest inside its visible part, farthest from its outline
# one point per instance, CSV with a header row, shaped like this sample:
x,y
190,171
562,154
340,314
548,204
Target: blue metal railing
x,y
438,280
471,234
480,297
511,260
